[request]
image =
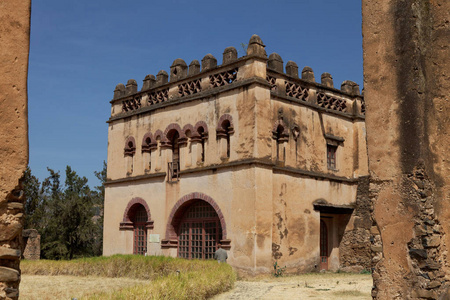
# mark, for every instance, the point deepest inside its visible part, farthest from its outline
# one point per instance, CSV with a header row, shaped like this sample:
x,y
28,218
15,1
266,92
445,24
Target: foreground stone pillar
x,y
407,90
14,46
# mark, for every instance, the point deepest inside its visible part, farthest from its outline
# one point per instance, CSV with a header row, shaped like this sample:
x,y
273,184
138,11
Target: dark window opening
x,y
201,132
281,151
226,126
331,157
174,166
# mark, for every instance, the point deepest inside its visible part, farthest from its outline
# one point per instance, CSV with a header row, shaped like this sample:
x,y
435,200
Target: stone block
x,y
194,67
275,62
292,69
119,91
419,293
8,274
12,293
434,284
162,77
420,230
256,47
327,80
148,82
209,62
131,87
9,231
8,253
377,248
178,70
15,205
229,55
446,294
429,264
308,74
374,230
418,253
432,241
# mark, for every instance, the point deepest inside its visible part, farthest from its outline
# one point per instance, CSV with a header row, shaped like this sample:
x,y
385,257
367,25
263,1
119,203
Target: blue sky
x,y
80,50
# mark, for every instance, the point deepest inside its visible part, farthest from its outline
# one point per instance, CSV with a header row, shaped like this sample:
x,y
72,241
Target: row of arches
x,y
196,223
174,137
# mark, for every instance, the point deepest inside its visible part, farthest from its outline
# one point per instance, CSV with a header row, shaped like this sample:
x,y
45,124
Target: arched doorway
x,y
199,231
139,219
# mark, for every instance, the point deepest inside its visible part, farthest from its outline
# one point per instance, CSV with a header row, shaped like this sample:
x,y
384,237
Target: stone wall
x,y
355,248
31,244
407,85
14,46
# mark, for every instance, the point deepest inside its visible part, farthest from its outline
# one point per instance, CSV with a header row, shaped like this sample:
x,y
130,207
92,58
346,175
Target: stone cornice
x,y
135,178
259,162
200,95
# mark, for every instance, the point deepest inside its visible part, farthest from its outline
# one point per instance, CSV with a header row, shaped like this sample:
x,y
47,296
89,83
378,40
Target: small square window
x,y
331,157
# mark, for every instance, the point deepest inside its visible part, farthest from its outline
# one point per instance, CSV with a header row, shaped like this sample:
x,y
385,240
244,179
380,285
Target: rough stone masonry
x,y
407,88
14,47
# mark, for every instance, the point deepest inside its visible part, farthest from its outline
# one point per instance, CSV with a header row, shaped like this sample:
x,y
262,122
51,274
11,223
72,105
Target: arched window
x,y
129,151
201,133
224,131
147,147
280,135
281,151
174,165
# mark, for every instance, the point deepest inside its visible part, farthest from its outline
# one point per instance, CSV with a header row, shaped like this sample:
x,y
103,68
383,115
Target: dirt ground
x,y
37,287
309,286
337,286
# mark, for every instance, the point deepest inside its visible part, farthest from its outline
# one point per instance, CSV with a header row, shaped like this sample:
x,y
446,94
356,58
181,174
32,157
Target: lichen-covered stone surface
x,y
14,46
406,89
31,244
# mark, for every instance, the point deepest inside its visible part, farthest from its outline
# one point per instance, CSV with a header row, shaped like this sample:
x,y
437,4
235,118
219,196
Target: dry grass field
x,y
125,277
309,286
40,287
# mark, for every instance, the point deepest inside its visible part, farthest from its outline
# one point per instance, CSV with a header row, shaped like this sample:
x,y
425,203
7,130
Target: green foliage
x,y
278,271
68,218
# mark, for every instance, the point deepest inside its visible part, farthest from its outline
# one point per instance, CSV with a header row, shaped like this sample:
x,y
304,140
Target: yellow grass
x,y
42,287
154,277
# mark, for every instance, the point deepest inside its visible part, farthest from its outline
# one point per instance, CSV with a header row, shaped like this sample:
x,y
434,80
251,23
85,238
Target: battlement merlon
x,y
191,82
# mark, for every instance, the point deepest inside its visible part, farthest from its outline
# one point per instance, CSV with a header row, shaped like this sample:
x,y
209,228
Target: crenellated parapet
x,y
186,83
323,95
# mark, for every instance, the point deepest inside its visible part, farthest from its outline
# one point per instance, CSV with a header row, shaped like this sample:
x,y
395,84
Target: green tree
x,y
99,198
67,217
34,201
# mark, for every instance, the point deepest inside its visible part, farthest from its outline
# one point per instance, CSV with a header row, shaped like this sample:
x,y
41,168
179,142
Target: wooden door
x,y
323,246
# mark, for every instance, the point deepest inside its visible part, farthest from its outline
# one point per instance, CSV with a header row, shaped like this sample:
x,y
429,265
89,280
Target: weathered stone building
x,y
14,46
407,87
263,160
